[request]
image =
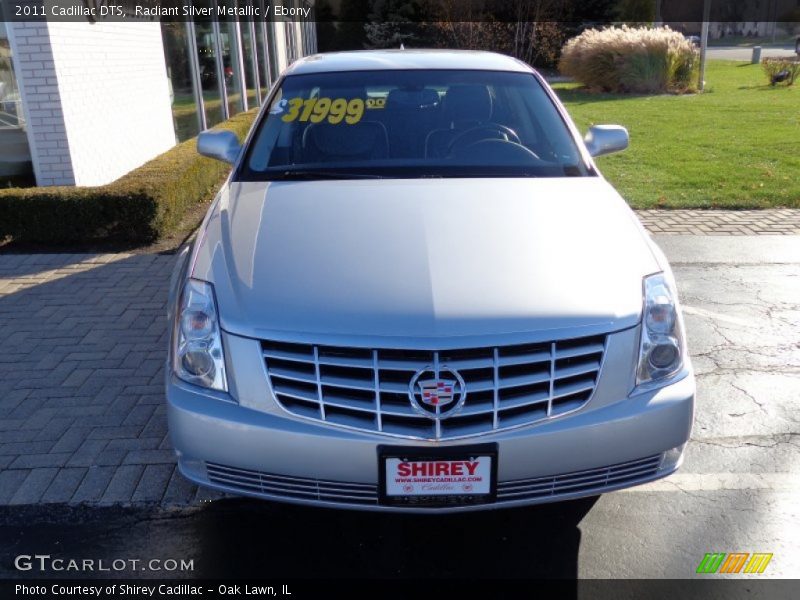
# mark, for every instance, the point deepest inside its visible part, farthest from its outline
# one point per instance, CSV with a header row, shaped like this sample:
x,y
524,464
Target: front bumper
x,y
242,450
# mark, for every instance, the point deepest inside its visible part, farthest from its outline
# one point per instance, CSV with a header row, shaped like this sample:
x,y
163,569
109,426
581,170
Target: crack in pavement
x,y
701,497
742,441
748,394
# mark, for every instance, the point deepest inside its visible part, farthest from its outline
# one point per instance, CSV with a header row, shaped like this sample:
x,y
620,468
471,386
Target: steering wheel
x,y
497,152
489,131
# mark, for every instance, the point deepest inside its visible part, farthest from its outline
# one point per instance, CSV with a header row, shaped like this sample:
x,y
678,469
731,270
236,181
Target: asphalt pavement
x,y
745,52
738,491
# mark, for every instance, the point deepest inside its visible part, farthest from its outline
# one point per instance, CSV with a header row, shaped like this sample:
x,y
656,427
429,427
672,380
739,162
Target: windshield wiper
x,y
311,174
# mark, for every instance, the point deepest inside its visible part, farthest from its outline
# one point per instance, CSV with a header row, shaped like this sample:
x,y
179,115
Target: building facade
x,y
83,103
14,154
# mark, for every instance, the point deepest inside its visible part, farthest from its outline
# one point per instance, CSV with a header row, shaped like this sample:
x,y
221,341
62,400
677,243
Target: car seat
x,y
464,107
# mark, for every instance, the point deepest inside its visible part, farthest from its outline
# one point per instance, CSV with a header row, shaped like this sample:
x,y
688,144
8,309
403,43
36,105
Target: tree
x,y
530,30
350,33
637,11
327,36
392,23
459,24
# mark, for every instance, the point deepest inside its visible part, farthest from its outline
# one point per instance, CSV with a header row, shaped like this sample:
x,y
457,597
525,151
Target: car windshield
x,y
411,123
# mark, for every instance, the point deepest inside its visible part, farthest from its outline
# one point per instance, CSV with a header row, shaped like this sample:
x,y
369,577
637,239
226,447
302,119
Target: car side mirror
x,y
606,139
222,145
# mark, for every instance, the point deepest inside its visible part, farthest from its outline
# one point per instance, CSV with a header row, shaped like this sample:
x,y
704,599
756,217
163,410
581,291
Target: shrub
x,y
625,59
781,70
140,207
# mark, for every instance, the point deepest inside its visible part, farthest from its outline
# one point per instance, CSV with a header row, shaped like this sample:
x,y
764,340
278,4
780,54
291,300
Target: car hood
x,y
424,262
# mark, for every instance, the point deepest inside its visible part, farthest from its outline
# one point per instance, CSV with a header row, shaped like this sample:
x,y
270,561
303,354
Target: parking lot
x,y
86,465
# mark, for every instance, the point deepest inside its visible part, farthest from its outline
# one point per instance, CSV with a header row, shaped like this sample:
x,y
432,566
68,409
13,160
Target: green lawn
x,y
735,146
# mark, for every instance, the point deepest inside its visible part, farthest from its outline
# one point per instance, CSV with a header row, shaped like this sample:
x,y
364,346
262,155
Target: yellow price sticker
x,y
317,110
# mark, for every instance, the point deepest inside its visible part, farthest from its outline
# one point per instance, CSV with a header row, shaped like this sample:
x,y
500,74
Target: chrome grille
x,y
368,389
300,488
580,481
540,489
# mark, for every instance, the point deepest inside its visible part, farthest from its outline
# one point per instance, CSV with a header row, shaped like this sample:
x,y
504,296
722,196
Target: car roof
x,y
378,60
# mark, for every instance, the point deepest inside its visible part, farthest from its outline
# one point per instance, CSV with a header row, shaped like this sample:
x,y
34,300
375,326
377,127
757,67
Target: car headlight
x,y
197,355
661,349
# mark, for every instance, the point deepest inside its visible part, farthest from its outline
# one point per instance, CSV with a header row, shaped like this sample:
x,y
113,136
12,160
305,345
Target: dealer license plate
x,y
438,477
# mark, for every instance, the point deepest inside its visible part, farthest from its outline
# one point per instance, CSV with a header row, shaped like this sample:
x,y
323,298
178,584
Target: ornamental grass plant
x,y
639,60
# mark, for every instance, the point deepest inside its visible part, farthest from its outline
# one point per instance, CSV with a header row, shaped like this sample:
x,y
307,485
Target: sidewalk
x,y
784,221
82,414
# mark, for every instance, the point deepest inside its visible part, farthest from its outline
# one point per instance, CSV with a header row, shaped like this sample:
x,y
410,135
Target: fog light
x,y
664,354
198,362
672,458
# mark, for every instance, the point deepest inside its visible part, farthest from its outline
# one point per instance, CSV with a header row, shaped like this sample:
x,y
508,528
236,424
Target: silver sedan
x,y
416,292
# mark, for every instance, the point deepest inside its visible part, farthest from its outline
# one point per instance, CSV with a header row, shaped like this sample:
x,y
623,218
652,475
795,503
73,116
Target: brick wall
x,y
96,96
38,85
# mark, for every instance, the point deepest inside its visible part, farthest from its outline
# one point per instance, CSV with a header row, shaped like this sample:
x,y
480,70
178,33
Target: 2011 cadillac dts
x,y
416,292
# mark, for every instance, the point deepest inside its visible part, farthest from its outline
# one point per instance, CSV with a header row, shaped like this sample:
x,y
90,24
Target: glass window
x,y
179,71
207,59
273,51
249,65
15,159
263,59
11,115
230,61
412,123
